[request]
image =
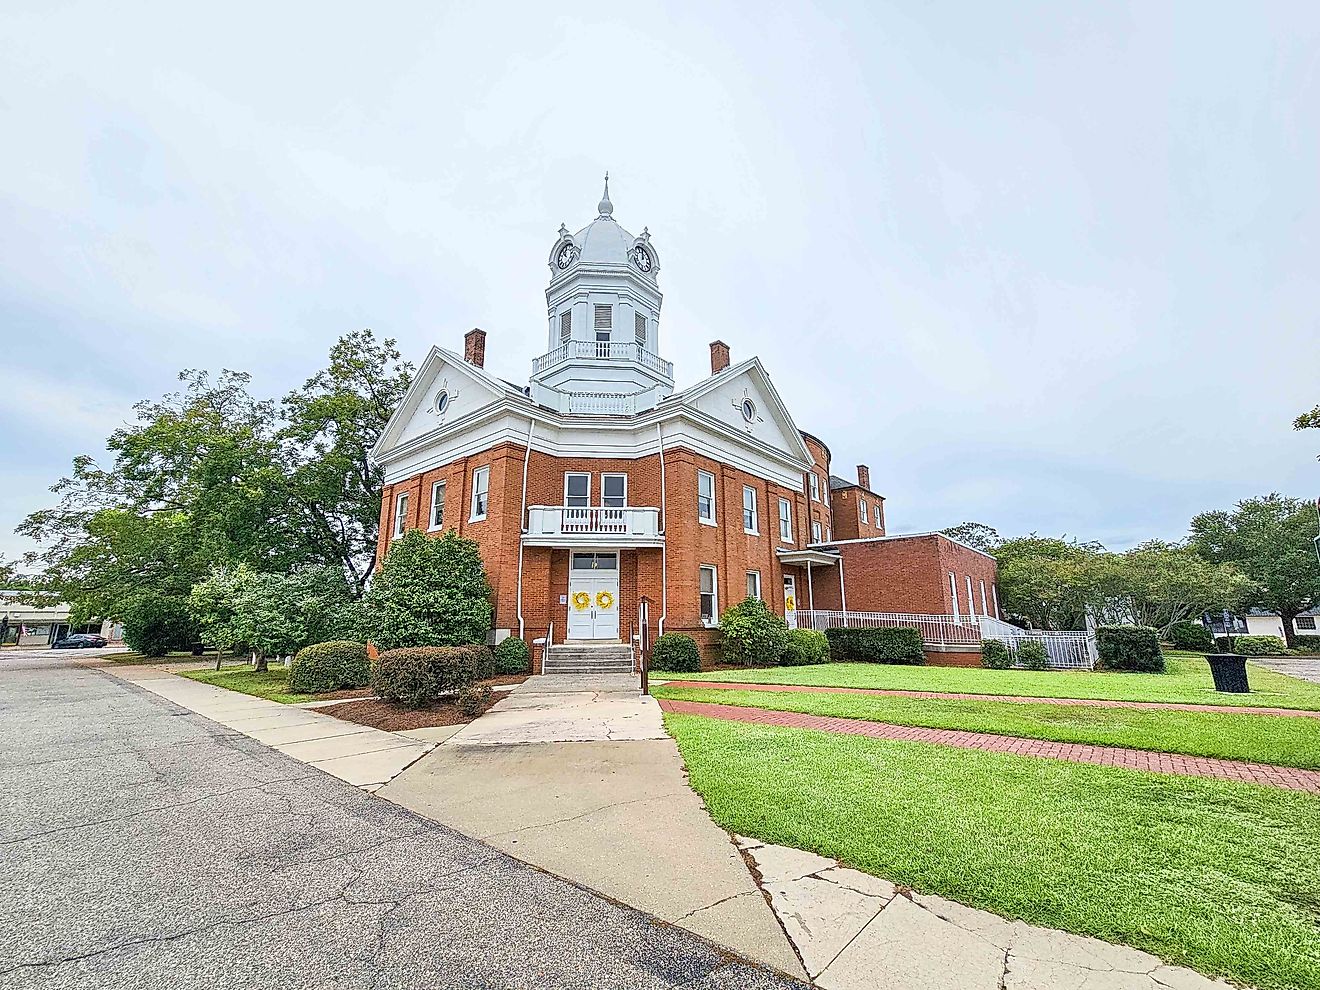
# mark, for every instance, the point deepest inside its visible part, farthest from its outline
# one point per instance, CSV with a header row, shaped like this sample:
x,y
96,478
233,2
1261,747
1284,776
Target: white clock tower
x,y
603,305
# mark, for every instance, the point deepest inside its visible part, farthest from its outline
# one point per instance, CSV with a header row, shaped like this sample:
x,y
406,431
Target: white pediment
x,y
445,390
743,399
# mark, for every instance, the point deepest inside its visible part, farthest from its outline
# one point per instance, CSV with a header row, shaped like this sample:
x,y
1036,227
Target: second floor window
x,y
400,513
614,490
785,520
861,502
749,509
480,492
438,505
577,490
814,482
706,497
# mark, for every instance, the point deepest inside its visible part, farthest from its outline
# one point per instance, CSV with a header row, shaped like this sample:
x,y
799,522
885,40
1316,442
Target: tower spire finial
x,y
605,207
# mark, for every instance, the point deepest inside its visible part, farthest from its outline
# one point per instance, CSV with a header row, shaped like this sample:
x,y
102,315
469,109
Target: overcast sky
x,y
1054,267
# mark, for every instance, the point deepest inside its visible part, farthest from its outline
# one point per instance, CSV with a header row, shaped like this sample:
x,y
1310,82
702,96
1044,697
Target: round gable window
x,y
442,401
749,410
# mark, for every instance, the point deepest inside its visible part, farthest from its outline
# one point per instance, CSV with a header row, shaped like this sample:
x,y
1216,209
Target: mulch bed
x,y
387,715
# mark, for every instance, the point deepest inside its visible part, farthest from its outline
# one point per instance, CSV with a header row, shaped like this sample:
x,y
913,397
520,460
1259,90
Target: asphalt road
x,y
144,846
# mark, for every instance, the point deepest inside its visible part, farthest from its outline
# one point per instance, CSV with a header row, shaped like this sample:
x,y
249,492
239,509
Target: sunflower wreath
x,y
604,600
581,600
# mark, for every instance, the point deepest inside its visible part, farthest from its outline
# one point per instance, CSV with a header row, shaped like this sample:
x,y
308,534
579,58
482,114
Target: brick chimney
x,y
864,476
719,356
474,347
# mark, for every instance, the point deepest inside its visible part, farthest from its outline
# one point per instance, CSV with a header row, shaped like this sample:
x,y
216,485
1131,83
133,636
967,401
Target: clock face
x,y
641,258
566,255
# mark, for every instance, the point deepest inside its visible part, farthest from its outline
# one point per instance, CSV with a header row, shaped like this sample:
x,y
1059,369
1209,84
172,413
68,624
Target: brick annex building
x,y
597,485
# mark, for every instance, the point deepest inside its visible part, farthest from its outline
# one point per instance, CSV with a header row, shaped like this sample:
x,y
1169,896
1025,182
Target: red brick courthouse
x,y
597,485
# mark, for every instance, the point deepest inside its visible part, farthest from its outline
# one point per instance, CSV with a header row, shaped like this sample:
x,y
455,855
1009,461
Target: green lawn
x,y
1188,680
138,658
1221,877
1278,739
272,685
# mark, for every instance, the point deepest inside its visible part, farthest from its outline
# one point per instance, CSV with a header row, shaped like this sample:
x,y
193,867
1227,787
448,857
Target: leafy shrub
x,y
805,646
472,699
155,625
752,633
895,644
995,655
429,592
1307,644
512,656
418,675
331,666
1254,646
1032,655
1191,636
1129,648
677,652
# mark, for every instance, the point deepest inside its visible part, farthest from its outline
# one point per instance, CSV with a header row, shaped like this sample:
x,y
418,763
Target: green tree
x,y
1048,582
428,592
211,477
1160,584
332,422
1308,421
976,535
273,615
1270,539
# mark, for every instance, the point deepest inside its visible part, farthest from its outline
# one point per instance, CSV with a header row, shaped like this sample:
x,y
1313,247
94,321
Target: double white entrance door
x,y
593,596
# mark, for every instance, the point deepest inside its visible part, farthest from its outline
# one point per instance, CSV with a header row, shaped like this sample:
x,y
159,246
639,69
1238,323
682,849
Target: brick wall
x,y
906,575
848,524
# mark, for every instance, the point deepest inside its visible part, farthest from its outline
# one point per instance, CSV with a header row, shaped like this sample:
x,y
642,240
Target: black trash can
x,y
1229,671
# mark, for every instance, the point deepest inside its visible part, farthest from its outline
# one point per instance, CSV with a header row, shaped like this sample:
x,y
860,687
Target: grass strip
x,y
272,684
1276,739
1221,877
1187,680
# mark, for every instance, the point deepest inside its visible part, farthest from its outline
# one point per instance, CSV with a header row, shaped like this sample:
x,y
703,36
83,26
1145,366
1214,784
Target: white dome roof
x,y
604,242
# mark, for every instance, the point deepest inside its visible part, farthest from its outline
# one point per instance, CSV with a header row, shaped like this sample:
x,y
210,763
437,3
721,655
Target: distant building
x,y
32,625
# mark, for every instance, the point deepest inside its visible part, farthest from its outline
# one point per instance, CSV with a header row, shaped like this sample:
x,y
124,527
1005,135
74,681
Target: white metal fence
x,y
936,630
1073,650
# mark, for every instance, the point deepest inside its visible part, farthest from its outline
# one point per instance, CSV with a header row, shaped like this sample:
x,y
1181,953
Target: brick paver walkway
x,y
1111,756
1178,706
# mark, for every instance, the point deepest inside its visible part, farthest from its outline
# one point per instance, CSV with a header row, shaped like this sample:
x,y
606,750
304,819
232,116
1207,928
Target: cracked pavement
x,y
854,931
142,845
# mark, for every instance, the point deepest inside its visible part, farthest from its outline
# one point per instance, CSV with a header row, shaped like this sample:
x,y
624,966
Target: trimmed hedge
x,y
1307,644
472,699
1191,636
512,657
805,646
1133,648
330,666
1254,646
893,644
417,676
753,634
995,655
676,652
1032,655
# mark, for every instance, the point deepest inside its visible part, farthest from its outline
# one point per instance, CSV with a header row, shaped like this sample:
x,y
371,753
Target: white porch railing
x,y
601,403
936,630
603,350
634,524
1073,650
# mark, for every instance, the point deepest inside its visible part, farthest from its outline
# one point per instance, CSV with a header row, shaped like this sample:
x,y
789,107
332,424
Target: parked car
x,y
79,641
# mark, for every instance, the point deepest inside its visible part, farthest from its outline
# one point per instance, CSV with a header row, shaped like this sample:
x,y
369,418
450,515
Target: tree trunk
x,y
259,662
1289,632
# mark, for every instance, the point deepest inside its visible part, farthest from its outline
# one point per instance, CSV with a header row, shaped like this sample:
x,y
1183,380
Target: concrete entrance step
x,y
582,658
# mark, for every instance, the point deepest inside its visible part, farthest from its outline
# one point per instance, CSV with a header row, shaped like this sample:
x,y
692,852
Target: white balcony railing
x,y
566,525
603,350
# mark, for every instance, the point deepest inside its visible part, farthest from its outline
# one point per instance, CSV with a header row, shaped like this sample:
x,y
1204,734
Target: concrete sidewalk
x,y
358,754
577,776
858,932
